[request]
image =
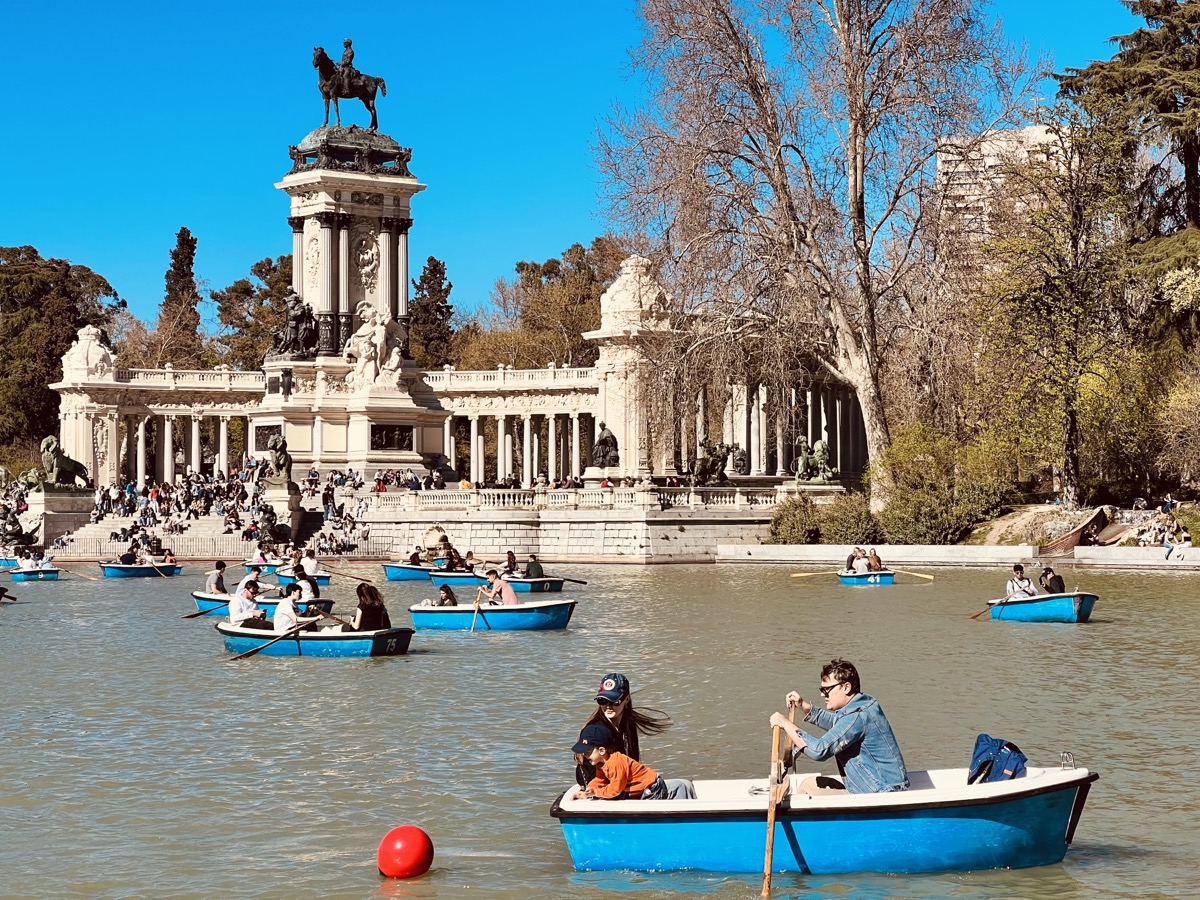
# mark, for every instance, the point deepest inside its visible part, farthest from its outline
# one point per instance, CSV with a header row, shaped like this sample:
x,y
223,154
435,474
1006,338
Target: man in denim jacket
x,y
857,735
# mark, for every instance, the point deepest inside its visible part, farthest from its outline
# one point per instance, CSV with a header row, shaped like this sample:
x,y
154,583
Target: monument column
x,y
141,452
754,451
780,449
501,422
297,223
318,438
576,471
475,467
552,446
401,310
194,449
341,306
168,462
448,441
527,449
387,276
223,445
326,286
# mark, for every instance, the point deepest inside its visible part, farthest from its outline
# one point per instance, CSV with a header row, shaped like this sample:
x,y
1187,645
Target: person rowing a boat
x,y
1019,586
498,587
287,616
857,735
244,612
1051,583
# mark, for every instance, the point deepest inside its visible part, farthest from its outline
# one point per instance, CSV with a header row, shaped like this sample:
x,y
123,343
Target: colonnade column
x,y
500,423
297,223
552,448
527,476
341,306
194,448
402,287
141,451
325,307
475,467
576,471
781,461
448,441
754,451
168,423
318,438
387,275
223,444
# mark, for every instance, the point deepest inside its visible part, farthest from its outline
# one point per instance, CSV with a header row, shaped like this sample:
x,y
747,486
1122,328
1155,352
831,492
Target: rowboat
x,y
941,824
438,577
385,642
46,574
867,578
1075,606
218,604
137,570
406,572
536,615
267,568
534,585
9,562
286,576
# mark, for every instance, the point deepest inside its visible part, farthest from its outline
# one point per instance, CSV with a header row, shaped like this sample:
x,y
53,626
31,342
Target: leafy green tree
x,y
43,303
250,312
1056,307
430,334
1155,77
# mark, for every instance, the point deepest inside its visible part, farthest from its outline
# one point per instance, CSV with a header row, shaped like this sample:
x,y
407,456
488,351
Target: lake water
x,y
136,760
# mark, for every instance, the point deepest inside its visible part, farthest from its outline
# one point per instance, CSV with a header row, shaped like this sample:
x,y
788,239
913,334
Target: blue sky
x,y
125,121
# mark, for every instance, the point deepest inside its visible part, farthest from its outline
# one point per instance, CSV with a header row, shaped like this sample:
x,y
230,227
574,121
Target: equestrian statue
x,y
345,82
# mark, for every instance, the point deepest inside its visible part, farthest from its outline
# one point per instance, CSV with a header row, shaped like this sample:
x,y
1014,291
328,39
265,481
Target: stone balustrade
x,y
191,379
385,505
511,379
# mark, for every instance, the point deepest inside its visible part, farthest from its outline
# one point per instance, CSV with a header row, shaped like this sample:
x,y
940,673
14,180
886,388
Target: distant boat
x,y
288,577
267,568
534,585
9,562
535,615
941,824
49,573
385,642
218,604
440,577
406,572
867,578
138,570
1075,606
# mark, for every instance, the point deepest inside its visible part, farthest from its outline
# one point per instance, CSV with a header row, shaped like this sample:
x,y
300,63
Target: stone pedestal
x,y
61,510
284,498
593,475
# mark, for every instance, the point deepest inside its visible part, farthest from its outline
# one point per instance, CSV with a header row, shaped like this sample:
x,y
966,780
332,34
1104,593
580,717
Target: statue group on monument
x,y
299,336
344,82
376,349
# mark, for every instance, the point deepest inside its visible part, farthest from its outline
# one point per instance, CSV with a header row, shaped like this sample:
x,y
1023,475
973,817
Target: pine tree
x,y
178,327
430,334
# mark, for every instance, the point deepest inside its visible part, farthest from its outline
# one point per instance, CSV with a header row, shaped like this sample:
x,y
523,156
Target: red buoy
x,y
405,852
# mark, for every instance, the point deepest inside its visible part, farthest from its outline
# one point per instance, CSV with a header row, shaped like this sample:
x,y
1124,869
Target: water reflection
x,y
138,760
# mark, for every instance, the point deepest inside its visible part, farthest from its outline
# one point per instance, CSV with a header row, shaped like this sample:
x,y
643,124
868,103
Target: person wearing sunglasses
x,y
857,735
614,709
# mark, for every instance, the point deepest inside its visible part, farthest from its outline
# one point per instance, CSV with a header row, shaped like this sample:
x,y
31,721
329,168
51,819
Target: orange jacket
x,y
620,775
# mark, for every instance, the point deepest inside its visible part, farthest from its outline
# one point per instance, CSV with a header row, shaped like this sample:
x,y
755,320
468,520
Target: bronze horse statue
x,y
330,83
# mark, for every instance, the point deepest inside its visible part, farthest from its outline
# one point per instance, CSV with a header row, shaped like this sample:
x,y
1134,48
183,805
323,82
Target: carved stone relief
x,y
312,261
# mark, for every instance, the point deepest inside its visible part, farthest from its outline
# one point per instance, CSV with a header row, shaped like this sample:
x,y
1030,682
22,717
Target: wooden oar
x,y
988,608
474,618
325,615
348,575
205,612
776,787
572,580
292,632
906,572
811,574
81,575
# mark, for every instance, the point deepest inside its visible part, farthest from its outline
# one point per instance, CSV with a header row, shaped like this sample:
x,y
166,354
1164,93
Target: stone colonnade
x,y
561,454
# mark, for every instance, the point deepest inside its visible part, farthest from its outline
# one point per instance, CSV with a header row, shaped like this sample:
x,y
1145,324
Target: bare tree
x,y
785,164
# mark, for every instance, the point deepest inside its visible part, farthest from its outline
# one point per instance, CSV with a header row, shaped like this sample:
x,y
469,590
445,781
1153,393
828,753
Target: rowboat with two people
x,y
534,615
218,604
867,579
940,824
42,573
324,643
520,584
1069,607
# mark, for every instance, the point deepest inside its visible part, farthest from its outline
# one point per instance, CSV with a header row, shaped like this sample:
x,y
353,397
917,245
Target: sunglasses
x,y
827,689
604,701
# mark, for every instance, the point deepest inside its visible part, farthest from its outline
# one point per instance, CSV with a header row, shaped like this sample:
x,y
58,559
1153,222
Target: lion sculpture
x,y
60,468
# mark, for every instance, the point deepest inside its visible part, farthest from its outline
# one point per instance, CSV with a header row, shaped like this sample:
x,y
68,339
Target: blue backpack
x,y
995,760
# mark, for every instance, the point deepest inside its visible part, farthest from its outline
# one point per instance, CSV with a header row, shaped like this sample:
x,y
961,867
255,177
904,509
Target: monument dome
x,y
350,149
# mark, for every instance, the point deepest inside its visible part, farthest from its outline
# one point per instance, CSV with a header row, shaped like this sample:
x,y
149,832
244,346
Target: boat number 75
x,y
391,645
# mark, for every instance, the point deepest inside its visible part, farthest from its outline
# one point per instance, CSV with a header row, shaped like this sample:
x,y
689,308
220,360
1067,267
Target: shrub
x,y
849,520
796,521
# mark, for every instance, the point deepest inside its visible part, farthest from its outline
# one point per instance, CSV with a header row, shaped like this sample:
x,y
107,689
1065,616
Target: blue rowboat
x,y
454,579
406,572
867,578
442,561
534,585
536,615
120,570
286,577
47,574
941,824
1073,607
9,562
385,642
267,568
218,605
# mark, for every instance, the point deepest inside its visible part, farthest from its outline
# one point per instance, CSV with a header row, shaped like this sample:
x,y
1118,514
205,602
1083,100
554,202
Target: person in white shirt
x,y
286,616
244,612
1019,586
309,563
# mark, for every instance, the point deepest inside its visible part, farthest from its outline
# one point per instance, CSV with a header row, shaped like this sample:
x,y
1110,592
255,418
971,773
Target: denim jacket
x,y
859,737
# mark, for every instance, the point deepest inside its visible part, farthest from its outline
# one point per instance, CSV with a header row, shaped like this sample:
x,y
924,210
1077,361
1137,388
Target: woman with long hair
x,y
372,614
614,708
510,567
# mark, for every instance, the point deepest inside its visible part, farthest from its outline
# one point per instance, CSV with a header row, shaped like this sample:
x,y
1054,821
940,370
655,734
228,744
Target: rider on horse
x,y
347,73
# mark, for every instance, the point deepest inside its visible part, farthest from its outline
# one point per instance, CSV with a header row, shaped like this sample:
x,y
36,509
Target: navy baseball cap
x,y
593,736
613,687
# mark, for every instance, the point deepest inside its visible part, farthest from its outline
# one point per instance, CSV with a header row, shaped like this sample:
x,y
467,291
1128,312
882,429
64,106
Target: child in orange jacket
x,y
620,777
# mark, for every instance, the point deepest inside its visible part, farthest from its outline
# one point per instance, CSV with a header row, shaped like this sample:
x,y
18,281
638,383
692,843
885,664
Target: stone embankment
x,y
990,555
